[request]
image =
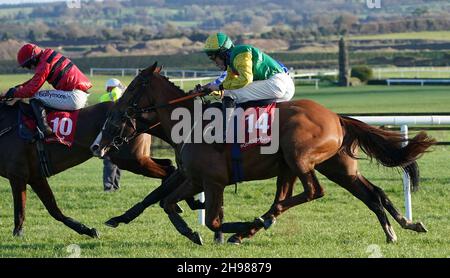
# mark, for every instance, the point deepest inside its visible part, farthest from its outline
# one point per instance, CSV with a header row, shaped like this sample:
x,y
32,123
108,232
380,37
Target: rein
x,y
133,111
170,103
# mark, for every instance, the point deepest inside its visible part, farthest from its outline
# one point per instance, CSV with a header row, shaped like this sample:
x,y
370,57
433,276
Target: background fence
x,y
378,73
166,72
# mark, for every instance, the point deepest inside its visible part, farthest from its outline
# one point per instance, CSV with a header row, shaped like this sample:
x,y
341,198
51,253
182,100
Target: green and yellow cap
x,y
217,43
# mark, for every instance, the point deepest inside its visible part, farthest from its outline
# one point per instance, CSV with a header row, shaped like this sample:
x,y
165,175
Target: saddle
x,y
254,138
63,124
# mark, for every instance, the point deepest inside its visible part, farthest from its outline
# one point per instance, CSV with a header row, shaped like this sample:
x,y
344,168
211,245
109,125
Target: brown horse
x,y
311,138
19,162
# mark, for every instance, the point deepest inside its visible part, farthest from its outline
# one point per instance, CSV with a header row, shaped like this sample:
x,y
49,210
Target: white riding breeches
x,y
280,87
63,100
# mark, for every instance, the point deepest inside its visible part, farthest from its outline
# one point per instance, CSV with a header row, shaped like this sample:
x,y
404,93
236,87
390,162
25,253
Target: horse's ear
x,y
151,68
159,69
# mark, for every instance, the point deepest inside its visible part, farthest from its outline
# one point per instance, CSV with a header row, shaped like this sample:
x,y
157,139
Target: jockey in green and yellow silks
x,y
251,74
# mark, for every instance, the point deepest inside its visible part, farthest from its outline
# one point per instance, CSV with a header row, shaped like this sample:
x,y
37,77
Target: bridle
x,y
135,112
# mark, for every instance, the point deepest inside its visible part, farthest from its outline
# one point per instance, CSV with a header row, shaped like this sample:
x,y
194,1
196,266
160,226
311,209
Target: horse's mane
x,y
177,88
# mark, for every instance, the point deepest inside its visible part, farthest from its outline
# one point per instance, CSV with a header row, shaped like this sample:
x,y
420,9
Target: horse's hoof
x,y
94,233
18,233
420,228
234,239
391,240
391,237
196,238
112,223
218,238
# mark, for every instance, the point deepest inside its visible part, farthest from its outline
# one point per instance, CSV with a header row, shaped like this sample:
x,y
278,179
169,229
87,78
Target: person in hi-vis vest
x,y
111,173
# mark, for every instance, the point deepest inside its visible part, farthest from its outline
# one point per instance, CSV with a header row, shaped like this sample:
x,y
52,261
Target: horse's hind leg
x,y
312,190
285,185
365,193
186,190
389,206
19,191
342,170
45,194
301,164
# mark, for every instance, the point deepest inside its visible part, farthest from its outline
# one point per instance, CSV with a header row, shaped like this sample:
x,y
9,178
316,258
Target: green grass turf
x,y
337,225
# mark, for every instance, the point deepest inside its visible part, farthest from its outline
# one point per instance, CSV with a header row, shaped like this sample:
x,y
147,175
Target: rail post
x,y
201,213
406,179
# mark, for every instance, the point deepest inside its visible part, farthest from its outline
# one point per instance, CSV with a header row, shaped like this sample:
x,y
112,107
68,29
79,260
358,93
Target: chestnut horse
x,y
311,138
19,162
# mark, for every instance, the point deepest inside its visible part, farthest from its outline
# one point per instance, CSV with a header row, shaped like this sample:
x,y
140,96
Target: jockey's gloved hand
x,y
217,94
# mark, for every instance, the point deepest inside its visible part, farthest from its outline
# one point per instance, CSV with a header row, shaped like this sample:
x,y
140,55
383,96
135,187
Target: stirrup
x,y
40,134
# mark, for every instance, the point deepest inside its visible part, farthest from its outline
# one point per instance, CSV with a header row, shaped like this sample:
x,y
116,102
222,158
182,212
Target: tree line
x,y
130,21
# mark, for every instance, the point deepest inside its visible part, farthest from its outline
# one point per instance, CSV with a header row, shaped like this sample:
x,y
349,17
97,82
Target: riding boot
x,y
228,106
41,117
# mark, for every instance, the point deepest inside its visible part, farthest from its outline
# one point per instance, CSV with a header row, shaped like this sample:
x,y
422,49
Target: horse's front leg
x,y
214,209
167,186
143,165
186,190
285,185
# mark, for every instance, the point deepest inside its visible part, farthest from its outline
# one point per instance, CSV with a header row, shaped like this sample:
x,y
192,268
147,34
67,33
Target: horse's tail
x,y
413,172
383,145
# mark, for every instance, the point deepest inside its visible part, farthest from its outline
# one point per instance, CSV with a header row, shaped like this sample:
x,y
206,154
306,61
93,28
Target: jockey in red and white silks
x,y
70,83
